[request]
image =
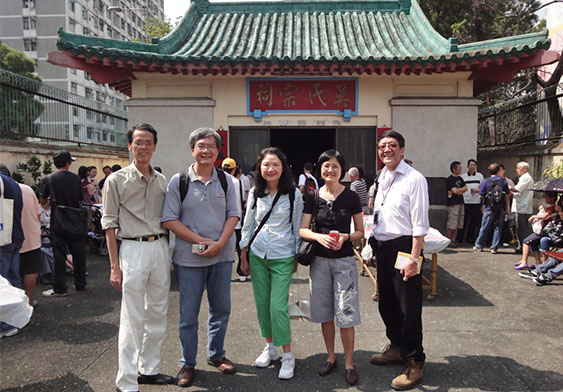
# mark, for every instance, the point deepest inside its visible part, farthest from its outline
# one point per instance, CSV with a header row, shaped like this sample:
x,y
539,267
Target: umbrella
x,y
553,185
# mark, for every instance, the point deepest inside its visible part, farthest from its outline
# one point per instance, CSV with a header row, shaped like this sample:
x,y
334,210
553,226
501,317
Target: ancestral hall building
x,y
307,76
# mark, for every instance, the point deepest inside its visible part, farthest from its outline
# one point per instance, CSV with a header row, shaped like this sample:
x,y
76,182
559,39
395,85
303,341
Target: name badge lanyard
x,y
388,189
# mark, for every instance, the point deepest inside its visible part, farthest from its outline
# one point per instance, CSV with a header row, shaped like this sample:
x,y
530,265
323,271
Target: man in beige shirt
x,y
133,201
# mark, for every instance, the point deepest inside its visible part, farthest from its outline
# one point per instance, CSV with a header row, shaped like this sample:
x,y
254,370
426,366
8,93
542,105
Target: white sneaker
x,y
266,357
287,367
9,332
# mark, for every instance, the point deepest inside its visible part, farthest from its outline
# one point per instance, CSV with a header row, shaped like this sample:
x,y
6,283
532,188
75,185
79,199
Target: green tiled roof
x,y
377,32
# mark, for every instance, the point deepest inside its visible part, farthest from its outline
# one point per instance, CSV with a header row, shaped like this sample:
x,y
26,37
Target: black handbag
x,y
554,231
68,222
307,249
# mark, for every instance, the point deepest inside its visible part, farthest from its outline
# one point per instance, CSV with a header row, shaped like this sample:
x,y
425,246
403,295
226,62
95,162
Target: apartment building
x,y
31,26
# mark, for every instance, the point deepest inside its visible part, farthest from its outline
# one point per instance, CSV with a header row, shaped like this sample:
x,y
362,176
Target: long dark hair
x,y
83,172
285,184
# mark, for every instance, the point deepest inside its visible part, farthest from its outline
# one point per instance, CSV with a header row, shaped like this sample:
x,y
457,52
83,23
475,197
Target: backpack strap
x,y
223,180
184,185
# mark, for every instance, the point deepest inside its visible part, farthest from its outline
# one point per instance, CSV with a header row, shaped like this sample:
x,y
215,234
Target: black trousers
x,y
471,224
522,227
400,302
60,245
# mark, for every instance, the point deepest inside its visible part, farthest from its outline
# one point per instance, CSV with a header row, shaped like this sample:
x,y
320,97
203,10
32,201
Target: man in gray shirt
x,y
203,220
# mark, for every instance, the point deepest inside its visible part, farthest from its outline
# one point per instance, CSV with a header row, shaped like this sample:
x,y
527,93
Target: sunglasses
x,y
329,213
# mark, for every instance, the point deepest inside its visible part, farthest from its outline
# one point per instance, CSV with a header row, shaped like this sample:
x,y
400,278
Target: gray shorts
x,y
333,289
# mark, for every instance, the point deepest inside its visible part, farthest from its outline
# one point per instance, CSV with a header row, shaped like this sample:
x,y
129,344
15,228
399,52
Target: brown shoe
x,y
391,355
351,376
185,377
326,368
409,377
224,365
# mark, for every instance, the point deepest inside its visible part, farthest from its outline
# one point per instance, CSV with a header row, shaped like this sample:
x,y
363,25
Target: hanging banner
x,y
306,95
224,150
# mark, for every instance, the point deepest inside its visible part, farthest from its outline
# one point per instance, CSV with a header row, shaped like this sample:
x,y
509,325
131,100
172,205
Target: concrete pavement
x,y
487,330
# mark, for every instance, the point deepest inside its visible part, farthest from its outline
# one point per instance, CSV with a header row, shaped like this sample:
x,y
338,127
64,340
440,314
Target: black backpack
x,y
495,196
185,183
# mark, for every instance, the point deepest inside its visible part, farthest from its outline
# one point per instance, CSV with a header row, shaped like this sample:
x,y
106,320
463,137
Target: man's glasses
x,y
391,145
208,147
140,143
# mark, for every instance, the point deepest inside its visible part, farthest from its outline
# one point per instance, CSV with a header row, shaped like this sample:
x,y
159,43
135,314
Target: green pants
x,y
270,281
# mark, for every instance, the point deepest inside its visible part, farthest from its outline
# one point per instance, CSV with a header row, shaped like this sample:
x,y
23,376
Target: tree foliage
x,y
33,168
157,28
19,108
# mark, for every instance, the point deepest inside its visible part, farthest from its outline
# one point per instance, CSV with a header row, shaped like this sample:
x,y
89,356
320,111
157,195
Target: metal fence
x,y
535,118
31,109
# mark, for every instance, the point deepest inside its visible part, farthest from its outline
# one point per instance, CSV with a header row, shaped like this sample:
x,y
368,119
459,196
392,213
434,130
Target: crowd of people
x,y
217,217
505,209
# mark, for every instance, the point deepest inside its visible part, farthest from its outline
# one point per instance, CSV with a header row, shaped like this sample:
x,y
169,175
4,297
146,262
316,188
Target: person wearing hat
x,y
64,187
229,166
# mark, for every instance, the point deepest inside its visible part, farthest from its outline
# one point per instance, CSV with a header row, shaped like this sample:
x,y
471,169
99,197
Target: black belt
x,y
394,240
150,238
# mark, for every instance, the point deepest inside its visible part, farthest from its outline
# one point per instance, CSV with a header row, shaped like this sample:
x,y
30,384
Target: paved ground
x,y
487,330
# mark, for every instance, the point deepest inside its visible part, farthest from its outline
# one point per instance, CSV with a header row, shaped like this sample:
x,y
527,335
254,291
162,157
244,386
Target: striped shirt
x,y
359,186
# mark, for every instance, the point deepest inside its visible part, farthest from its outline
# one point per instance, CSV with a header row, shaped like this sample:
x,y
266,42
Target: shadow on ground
x,y
68,382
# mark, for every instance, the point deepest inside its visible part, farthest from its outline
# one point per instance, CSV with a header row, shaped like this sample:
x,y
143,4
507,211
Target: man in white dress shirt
x,y
523,201
400,224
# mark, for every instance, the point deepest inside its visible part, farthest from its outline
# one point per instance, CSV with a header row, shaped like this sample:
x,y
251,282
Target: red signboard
x,y
224,150
302,96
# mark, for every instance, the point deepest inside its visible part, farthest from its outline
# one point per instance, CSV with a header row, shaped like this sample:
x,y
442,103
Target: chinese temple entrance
x,y
302,145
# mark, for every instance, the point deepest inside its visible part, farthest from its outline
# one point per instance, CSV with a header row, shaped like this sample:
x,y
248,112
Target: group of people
x,y
479,206
505,205
202,206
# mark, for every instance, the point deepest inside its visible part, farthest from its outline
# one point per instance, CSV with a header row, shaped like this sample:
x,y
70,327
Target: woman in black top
x,y
333,275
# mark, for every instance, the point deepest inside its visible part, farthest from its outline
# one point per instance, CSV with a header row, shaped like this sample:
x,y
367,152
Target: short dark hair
x,y
83,172
454,164
308,166
92,167
328,155
394,134
285,184
141,127
471,160
501,166
115,168
494,168
106,167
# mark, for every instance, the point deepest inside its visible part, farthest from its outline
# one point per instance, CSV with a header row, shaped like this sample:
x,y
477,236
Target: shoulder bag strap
x,y
313,225
51,191
264,220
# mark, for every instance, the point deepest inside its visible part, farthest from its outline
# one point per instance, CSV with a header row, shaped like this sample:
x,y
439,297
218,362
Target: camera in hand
x,y
198,248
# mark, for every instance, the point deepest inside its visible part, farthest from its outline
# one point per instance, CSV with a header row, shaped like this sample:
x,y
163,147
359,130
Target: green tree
x,y
18,108
157,28
33,168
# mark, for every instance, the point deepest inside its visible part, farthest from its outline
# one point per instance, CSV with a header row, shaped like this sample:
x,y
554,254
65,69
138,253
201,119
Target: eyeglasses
x,y
140,143
329,213
391,145
208,147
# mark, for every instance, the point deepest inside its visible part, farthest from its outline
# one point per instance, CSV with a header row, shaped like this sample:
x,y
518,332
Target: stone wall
x,y
14,152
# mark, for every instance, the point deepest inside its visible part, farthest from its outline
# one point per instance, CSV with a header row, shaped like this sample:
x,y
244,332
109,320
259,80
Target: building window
x,y
72,71
86,31
28,3
112,120
109,31
72,5
84,13
30,44
73,87
105,135
112,137
89,132
29,23
88,93
76,130
89,115
75,111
